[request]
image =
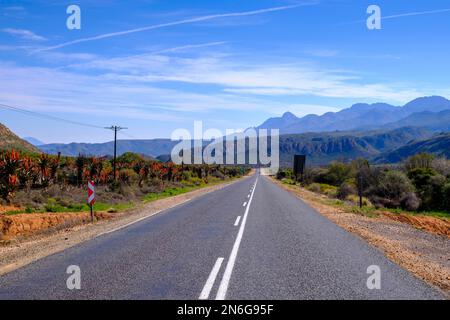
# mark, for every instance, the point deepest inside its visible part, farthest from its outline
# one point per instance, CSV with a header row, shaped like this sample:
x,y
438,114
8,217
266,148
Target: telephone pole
x,y
115,129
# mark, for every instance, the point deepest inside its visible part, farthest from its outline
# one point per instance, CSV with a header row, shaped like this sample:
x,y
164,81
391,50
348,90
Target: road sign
x,y
299,165
91,198
91,193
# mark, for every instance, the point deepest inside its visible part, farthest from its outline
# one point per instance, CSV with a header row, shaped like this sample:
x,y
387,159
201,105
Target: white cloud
x,y
24,34
63,92
250,78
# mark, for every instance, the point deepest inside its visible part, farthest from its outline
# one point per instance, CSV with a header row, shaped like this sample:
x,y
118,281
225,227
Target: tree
x,y
337,173
419,161
446,196
392,187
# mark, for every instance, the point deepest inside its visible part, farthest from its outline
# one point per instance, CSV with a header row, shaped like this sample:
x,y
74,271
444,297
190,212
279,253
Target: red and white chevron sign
x,y
91,193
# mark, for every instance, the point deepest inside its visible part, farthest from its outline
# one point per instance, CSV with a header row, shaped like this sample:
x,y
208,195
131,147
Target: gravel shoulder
x,y
423,253
21,252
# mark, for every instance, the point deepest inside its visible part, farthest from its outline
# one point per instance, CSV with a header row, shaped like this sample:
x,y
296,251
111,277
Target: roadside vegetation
x,y
38,183
421,184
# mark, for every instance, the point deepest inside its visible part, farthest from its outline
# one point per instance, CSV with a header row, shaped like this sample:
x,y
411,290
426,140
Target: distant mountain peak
x,y
360,116
432,103
289,115
33,141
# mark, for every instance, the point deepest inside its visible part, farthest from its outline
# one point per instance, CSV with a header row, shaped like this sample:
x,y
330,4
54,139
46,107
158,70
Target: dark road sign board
x,y
299,164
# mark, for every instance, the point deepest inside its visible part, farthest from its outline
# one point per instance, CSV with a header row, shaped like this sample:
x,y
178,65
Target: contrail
x,y
174,23
419,13
401,15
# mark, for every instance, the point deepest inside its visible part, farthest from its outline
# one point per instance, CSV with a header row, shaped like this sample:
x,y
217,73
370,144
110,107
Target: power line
x,y
46,116
129,136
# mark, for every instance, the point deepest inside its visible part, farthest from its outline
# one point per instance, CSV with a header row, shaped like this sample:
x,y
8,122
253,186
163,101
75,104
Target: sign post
x,y
299,165
91,198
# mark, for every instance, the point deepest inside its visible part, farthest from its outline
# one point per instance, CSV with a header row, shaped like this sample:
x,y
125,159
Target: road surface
x,y
249,240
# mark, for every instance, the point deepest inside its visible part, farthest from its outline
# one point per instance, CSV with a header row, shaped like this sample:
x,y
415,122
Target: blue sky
x,y
155,66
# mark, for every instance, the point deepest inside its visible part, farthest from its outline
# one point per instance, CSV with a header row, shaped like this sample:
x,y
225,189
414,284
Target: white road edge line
x,y
211,279
237,221
222,292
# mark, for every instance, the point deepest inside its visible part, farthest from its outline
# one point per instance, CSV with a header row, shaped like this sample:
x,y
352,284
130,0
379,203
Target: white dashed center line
x,y
222,292
237,221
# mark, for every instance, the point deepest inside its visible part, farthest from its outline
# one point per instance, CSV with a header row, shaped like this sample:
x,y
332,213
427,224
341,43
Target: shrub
x,y
346,189
442,166
336,174
186,176
429,185
355,199
314,187
391,188
446,196
284,173
410,202
420,177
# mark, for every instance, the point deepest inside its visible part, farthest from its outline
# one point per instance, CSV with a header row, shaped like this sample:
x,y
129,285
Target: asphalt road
x,y
240,242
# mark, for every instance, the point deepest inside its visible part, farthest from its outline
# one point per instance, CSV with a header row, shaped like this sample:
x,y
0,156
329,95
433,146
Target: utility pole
x,y
115,129
360,189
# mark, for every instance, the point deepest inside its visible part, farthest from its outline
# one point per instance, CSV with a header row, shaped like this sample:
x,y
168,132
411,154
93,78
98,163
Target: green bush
x,y
390,190
446,197
314,187
355,199
284,174
326,189
346,189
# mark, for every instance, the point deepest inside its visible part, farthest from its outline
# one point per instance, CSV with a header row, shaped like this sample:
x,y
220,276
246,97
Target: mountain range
x,y
438,145
151,147
361,116
380,132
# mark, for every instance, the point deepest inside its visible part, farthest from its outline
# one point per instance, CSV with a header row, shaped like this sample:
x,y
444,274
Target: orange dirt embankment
x,y
26,224
430,224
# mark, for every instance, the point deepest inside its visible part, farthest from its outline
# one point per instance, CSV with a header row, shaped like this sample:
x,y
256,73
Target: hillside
x,y
8,141
151,148
360,116
322,148
438,145
435,121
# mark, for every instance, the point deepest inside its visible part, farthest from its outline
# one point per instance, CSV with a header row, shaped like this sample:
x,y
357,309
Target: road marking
x,y
248,196
222,292
245,203
237,221
211,279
